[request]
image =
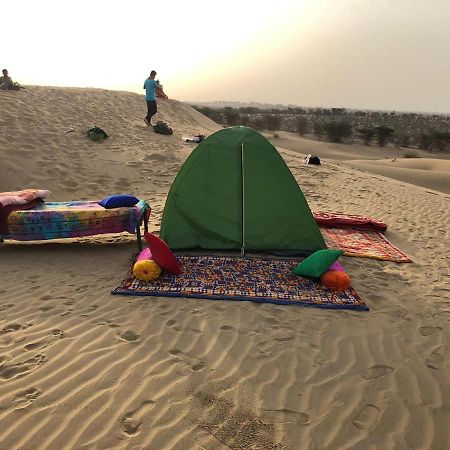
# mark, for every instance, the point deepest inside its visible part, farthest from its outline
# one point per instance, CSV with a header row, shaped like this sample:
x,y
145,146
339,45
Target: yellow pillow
x,y
146,270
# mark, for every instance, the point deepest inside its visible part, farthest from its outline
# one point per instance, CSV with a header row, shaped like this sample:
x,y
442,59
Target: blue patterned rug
x,y
263,280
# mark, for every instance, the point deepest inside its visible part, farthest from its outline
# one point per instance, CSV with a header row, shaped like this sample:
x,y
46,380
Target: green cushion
x,y
318,263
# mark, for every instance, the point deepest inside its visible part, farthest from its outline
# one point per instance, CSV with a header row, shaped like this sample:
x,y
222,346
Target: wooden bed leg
x,y
138,235
146,216
144,219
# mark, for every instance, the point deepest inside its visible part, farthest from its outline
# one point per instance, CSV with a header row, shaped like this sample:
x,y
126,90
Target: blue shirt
x,y
150,89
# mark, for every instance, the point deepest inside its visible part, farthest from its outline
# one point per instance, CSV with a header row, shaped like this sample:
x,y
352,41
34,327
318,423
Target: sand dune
x,y
428,173
429,170
82,369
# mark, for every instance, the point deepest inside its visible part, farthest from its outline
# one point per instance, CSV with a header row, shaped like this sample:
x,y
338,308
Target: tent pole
x,y
243,201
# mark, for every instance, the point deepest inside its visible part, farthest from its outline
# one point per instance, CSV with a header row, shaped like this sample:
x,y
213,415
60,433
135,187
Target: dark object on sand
x,y
162,128
96,134
197,138
314,160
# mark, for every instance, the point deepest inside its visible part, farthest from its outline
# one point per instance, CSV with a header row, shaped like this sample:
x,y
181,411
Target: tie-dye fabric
x,y
57,220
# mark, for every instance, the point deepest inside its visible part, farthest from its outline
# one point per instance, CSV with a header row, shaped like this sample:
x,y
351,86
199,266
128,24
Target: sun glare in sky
x,y
384,54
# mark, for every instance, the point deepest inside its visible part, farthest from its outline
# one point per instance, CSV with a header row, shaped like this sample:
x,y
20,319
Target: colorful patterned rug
x,y
264,280
366,244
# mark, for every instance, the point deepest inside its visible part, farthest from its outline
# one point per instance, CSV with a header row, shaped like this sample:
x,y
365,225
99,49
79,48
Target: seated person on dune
x,y
159,91
5,80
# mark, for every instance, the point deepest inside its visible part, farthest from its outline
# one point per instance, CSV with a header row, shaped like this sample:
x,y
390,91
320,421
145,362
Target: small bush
x,y
336,131
276,135
411,154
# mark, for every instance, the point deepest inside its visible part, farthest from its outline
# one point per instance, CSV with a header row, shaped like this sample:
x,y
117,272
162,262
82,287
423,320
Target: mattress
x,y
58,220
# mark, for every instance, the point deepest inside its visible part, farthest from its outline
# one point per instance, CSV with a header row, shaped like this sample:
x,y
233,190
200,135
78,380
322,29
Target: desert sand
x,y
82,369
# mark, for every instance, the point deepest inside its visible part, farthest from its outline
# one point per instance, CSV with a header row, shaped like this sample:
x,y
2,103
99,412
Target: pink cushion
x,y
162,254
22,197
336,267
145,254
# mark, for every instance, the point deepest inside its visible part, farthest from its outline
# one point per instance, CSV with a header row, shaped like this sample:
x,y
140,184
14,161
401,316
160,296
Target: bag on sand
x,y
314,160
96,134
162,128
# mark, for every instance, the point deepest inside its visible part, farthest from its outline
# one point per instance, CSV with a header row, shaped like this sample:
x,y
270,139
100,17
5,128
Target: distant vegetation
x,y
411,154
412,130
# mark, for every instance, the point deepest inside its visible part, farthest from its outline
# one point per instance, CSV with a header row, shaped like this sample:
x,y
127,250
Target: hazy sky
x,y
375,54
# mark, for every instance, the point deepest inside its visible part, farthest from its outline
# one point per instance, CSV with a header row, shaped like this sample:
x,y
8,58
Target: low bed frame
x,y
59,220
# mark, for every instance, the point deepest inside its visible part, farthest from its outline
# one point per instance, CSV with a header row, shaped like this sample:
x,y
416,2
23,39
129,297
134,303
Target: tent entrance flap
x,y
243,198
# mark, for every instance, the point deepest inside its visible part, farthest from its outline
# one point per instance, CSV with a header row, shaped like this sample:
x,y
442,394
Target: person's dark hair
x,y
153,72
4,70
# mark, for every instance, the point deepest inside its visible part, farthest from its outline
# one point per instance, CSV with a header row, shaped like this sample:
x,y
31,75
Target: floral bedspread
x,y
57,220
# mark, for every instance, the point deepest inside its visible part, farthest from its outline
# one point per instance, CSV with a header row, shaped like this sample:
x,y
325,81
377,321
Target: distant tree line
x,y
339,125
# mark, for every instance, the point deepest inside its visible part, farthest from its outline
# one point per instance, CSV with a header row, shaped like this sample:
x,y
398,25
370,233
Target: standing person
x,y
150,86
6,81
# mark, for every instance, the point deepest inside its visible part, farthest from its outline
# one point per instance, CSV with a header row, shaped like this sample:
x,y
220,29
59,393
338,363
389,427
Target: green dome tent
x,y
235,192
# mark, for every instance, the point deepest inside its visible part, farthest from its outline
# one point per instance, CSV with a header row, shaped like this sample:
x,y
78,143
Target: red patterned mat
x,y
338,220
366,244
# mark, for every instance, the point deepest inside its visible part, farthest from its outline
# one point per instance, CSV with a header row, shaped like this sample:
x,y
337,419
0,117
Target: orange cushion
x,y
335,280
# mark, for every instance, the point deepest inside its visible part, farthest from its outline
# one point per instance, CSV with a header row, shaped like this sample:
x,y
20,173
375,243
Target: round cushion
x,y
146,254
335,280
336,266
146,270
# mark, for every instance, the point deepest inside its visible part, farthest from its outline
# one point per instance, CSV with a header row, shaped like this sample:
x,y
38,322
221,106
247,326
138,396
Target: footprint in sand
x,y
22,369
443,315
132,421
35,345
82,288
436,359
284,336
105,322
93,308
284,416
11,328
376,372
367,417
58,333
172,324
46,308
194,363
46,341
428,330
129,336
271,321
3,307
25,398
